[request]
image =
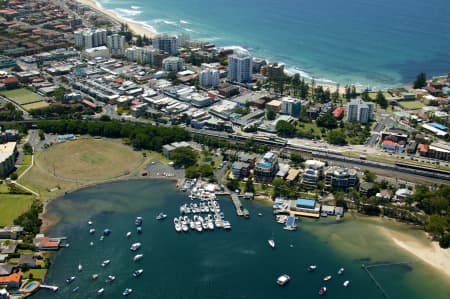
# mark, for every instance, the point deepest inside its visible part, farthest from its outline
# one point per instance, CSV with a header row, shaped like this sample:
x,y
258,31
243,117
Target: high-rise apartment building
x,y
240,68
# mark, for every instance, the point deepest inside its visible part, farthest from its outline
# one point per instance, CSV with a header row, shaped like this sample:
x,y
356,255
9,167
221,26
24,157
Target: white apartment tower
x,y
166,43
359,111
209,77
89,38
240,68
140,54
116,44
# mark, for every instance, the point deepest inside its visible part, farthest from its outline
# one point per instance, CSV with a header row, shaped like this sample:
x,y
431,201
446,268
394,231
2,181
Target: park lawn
x,y
24,165
12,206
153,156
38,274
22,96
414,105
309,126
73,164
36,105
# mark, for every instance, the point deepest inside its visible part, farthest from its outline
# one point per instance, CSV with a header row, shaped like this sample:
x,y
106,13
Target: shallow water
x,y
219,264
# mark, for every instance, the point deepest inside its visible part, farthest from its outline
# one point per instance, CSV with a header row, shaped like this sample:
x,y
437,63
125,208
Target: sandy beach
x,y
427,251
137,28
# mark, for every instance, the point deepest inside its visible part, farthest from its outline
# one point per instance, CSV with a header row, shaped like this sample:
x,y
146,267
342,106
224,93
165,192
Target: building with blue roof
x,y
439,126
306,207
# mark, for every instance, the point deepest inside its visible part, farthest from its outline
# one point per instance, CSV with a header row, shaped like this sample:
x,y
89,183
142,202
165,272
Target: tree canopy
x,y
337,136
421,81
184,156
327,121
285,129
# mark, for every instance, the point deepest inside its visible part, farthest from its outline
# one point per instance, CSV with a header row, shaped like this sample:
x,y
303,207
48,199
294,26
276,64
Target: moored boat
x,y
105,263
137,257
100,291
271,243
110,278
341,270
138,272
127,292
283,279
139,229
128,234
80,268
94,276
327,278
161,216
346,283
138,221
106,232
92,230
70,279
75,289
322,291
312,268
135,246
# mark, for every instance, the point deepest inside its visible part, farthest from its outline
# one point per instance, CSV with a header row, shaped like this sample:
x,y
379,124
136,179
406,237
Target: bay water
x,y
221,264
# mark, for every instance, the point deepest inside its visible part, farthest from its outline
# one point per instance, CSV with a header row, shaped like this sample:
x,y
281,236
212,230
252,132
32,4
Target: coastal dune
x,y
136,27
429,252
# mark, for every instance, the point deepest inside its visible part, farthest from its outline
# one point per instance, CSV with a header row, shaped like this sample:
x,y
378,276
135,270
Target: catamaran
x,y
135,246
127,292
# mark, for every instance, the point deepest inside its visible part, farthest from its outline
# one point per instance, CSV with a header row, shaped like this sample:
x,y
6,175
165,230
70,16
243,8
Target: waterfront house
x,y
46,243
12,280
11,232
306,207
266,168
27,259
328,209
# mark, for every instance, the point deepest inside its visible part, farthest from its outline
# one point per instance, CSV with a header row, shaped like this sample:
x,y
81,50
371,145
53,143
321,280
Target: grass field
x,y
35,105
413,105
24,165
22,96
12,206
73,164
38,274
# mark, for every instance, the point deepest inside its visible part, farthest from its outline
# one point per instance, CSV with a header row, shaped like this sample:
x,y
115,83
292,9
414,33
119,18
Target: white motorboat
x,y
100,291
92,231
90,222
177,224
327,278
70,279
137,257
283,279
110,278
92,243
138,272
161,216
135,246
102,238
312,268
94,276
128,234
271,243
127,292
138,221
105,263
341,270
346,283
80,268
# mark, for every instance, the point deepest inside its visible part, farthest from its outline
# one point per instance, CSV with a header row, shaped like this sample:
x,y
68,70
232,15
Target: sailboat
x,y
271,243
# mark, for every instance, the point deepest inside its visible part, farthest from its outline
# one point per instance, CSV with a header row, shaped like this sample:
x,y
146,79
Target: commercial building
x,y
439,151
172,64
209,77
11,232
290,106
168,148
166,43
116,44
7,158
240,68
306,207
266,168
392,146
360,111
337,177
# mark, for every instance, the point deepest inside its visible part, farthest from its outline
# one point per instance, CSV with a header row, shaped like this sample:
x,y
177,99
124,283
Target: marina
x,y
213,261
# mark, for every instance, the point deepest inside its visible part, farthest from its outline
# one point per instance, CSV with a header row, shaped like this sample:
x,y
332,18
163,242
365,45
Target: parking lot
x,y
158,169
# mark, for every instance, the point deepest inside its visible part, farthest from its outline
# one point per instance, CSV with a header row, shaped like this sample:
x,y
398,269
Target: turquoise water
x,y
220,264
377,43
30,286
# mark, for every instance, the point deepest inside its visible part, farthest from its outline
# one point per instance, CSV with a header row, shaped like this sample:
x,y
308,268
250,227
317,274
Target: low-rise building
x,y
337,177
101,51
240,169
306,207
392,146
168,148
46,243
12,280
11,232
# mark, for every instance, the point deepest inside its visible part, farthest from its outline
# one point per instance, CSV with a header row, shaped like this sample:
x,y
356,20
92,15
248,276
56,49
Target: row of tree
x,y
140,136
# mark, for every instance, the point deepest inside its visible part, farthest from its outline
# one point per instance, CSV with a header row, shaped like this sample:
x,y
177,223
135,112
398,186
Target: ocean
x,y
221,264
378,44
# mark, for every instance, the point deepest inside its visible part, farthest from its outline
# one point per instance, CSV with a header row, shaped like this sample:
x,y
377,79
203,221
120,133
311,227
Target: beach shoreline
x,y
425,250
136,27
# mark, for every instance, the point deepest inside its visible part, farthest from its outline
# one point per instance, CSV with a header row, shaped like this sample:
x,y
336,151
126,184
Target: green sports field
x,y
21,96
